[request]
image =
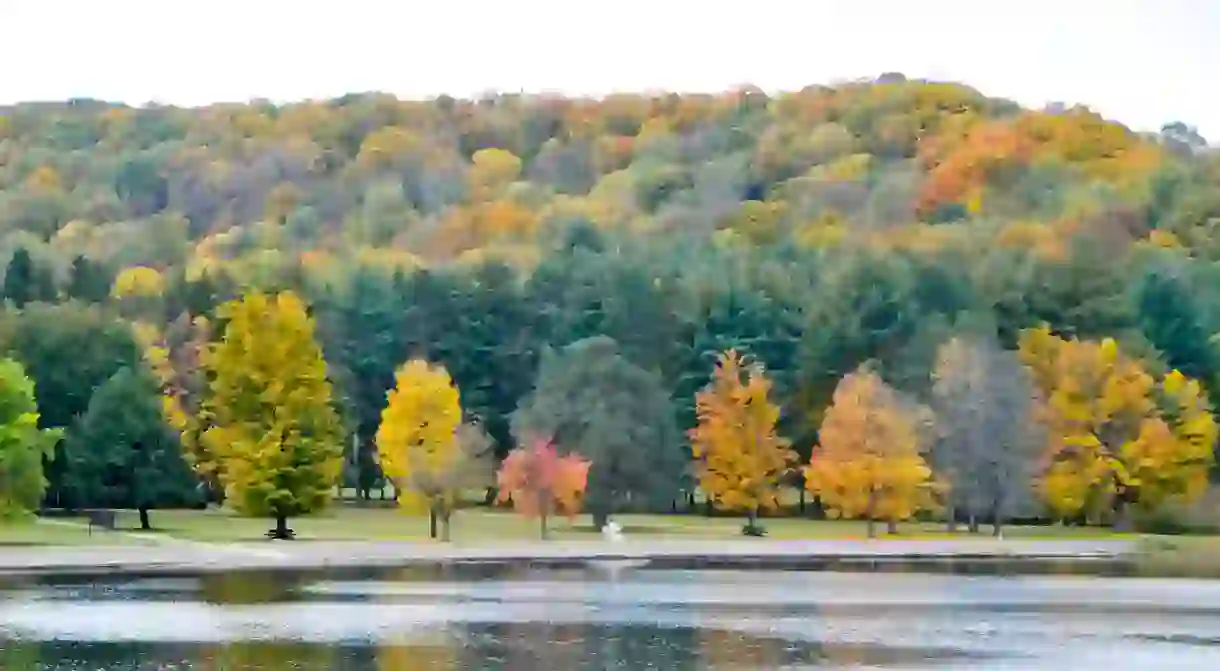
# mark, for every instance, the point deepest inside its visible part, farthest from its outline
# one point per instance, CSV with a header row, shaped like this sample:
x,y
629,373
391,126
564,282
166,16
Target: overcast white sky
x,y
1143,62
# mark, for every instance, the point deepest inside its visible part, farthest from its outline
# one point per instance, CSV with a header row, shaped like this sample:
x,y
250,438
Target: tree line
x,y
835,233
243,408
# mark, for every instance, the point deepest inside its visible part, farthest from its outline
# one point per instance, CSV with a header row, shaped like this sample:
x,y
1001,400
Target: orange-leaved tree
x,y
1117,438
869,462
539,482
739,456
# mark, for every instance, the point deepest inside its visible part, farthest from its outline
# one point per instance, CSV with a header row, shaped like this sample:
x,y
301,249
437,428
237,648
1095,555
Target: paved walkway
x,y
191,556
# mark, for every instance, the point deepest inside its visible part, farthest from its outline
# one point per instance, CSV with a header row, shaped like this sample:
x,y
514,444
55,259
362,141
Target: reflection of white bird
x,y
614,567
613,532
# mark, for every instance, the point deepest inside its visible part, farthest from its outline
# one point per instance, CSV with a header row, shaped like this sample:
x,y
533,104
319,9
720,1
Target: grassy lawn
x,y
1194,556
479,526
57,532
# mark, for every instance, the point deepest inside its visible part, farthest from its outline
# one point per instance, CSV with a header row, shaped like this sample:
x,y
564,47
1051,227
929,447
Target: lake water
x,y
611,617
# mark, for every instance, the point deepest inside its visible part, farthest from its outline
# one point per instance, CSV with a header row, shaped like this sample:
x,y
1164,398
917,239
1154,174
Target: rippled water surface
x,y
611,617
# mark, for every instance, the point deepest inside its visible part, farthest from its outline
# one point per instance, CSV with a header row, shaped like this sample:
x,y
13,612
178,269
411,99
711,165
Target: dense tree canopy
x,y
591,401
816,232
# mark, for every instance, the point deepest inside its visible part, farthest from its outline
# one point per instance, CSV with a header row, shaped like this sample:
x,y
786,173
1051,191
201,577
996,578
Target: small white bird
x,y
612,532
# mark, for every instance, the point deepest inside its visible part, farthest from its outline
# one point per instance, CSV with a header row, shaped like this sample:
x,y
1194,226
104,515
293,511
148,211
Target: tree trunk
x,y
872,521
542,526
818,511
997,520
891,527
432,522
801,505
145,525
707,506
1122,514
974,524
600,519
446,516
281,531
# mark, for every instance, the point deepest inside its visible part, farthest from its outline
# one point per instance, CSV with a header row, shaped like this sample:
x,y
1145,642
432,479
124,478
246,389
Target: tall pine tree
x,y
123,455
26,281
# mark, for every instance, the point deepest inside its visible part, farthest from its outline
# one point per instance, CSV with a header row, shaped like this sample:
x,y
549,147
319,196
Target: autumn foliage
x,y
272,427
810,232
739,456
174,358
417,440
972,154
540,483
869,462
1118,436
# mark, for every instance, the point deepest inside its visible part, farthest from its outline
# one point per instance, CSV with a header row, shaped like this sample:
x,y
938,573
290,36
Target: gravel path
x,y
190,556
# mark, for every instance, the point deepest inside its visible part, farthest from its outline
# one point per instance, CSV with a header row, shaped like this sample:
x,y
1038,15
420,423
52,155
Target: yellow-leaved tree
x,y
271,423
139,291
869,462
739,456
1188,413
138,281
424,447
1118,438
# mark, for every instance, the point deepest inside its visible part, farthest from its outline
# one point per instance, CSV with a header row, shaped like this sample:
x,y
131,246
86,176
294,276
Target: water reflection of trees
x,y
576,647
417,655
262,655
722,649
14,655
248,587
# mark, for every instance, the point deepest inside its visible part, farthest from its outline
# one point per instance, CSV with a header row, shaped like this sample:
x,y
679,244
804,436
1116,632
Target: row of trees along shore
x,y
1062,428
954,306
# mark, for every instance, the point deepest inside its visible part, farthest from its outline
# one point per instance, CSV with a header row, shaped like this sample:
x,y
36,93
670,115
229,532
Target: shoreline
x,y
189,557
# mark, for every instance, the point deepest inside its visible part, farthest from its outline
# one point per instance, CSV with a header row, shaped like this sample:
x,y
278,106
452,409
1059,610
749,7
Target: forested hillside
x,y
836,231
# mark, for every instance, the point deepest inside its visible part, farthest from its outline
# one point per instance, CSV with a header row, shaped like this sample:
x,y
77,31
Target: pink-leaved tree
x,y
541,483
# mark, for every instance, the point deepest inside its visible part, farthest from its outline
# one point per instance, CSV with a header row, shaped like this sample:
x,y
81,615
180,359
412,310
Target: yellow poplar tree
x,y
739,456
1112,444
1189,415
139,290
418,440
138,281
869,462
268,407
